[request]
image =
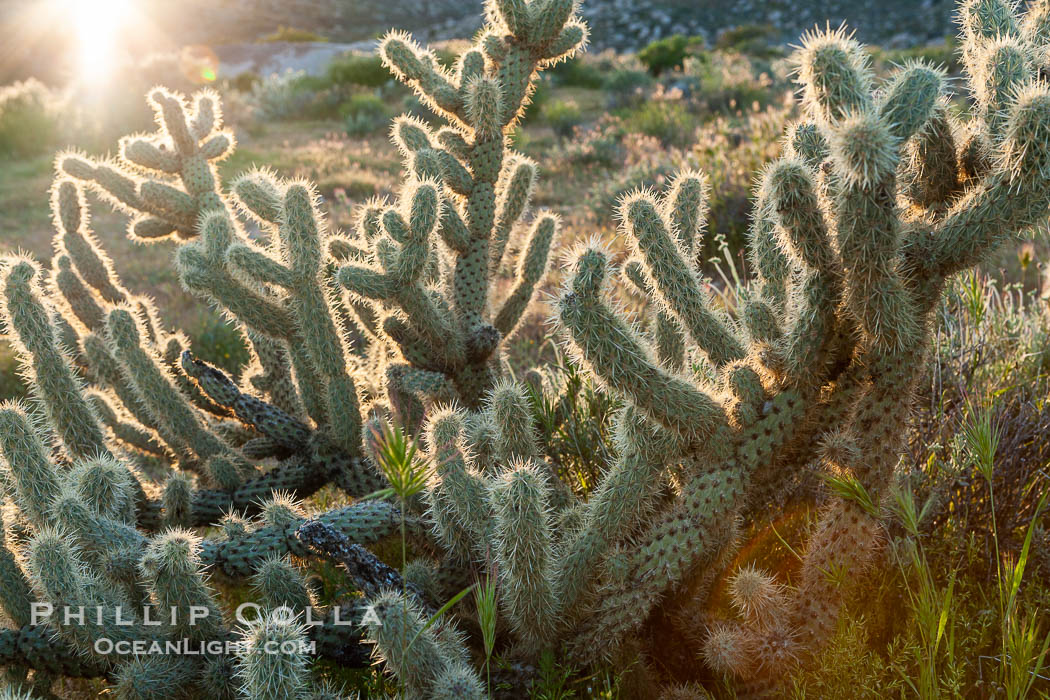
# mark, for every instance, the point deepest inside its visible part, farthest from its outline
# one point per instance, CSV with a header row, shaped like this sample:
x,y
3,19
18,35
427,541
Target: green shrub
x,y
245,82
669,53
625,87
357,69
579,72
30,116
11,384
294,34
944,53
221,344
667,120
607,192
731,150
574,421
562,115
601,145
753,39
728,81
540,97
282,95
365,113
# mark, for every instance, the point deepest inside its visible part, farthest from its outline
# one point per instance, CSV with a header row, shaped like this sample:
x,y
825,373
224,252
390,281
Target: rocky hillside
x,y
620,24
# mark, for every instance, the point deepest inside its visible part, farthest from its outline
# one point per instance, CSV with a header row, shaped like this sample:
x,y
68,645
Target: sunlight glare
x,y
97,25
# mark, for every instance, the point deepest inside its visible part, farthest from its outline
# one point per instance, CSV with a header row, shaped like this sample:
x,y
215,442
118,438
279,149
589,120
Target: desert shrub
x,y
728,149
720,81
666,119
754,39
221,344
324,96
292,34
942,53
12,386
245,82
620,76
645,165
574,421
580,72
357,69
185,69
281,95
607,192
601,144
562,116
540,97
668,53
30,119
731,150
626,87
846,668
992,365
365,113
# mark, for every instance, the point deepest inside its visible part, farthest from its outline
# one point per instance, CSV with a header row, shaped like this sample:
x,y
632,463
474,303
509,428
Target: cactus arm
x,y
285,430
835,75
57,387
666,331
38,647
1009,201
531,269
239,555
67,201
419,68
82,304
793,198
258,266
459,498
617,507
159,208
769,260
202,270
154,385
16,594
108,374
685,534
299,270
400,619
674,281
34,479
369,575
273,375
523,552
868,230
513,199
608,346
452,230
910,99
930,165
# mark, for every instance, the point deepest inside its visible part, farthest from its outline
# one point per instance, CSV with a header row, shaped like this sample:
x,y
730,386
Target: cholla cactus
x,y
471,191
879,197
834,339
149,438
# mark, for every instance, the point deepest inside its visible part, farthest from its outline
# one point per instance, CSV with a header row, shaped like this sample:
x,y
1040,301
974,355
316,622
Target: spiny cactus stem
x,y
269,420
368,573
